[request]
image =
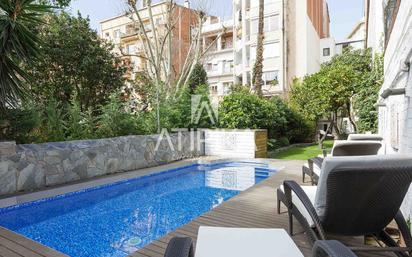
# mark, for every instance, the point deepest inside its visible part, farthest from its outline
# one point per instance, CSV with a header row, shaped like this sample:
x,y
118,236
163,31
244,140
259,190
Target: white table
x,y
245,242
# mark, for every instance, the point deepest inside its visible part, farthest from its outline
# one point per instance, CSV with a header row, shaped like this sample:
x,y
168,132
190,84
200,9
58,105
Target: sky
x,y
344,13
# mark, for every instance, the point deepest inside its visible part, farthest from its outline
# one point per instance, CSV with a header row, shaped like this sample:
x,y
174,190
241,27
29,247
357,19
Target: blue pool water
x,y
118,219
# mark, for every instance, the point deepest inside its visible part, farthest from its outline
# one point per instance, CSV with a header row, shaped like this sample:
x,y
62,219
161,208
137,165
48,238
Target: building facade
x,y
355,39
122,32
292,30
390,32
219,60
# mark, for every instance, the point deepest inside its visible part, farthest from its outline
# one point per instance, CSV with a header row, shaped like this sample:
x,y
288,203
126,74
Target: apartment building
x,y
307,22
293,30
122,31
219,60
329,47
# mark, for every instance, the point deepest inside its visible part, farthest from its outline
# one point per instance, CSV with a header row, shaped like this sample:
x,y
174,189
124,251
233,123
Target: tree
x,y
341,87
75,62
198,78
157,46
257,80
19,45
364,102
242,110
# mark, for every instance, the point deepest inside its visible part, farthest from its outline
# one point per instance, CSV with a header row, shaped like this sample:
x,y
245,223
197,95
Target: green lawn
x,y
301,152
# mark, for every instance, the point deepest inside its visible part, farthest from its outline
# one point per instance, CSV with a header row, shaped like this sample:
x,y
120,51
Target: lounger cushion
x,y
332,164
355,148
310,192
365,137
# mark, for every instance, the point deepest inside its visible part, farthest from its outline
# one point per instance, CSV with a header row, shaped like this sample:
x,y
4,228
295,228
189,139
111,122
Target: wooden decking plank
x,y
30,244
20,249
5,252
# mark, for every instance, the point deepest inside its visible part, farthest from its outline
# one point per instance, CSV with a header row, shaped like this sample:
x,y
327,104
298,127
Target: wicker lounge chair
x,y
341,148
183,247
356,196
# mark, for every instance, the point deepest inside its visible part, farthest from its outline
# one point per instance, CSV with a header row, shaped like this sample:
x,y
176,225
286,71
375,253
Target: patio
x,y
254,208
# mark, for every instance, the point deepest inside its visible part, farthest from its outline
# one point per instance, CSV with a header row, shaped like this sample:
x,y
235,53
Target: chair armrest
x,y
291,186
179,247
318,161
331,249
404,228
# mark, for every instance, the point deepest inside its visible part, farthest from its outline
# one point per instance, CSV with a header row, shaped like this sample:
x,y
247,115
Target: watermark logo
x,y
199,106
202,110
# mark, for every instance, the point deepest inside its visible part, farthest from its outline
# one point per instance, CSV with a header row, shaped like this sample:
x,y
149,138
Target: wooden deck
x,y
254,208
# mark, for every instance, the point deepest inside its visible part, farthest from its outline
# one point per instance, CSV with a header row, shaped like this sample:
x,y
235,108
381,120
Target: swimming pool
x,y
120,218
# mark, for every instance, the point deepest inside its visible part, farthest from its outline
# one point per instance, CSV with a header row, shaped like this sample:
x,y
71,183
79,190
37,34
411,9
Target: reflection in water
x,y
231,178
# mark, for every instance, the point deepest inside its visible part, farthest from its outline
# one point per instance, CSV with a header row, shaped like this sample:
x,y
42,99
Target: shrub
x,y
115,120
19,124
54,124
242,110
198,78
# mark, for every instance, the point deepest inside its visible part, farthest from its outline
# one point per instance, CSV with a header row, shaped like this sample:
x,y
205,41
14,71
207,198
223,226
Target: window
x,y
271,23
131,49
116,33
326,51
213,88
391,8
270,78
107,34
254,27
271,50
214,67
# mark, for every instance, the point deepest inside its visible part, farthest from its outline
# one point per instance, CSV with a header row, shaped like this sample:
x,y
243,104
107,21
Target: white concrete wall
x,y
230,143
327,43
304,41
375,26
395,119
313,48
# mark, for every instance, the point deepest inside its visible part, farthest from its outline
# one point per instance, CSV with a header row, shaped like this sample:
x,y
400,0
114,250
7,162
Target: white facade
x,y
245,16
291,46
375,21
395,101
303,40
356,40
395,111
219,61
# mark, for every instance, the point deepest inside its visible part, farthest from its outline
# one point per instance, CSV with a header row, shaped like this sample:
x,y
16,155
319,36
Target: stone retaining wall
x,y
37,166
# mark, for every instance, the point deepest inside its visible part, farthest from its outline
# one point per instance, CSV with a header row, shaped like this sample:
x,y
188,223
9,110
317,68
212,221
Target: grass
x,y
301,152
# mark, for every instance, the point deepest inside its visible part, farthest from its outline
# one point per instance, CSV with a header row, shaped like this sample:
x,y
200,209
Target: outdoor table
x,y
245,242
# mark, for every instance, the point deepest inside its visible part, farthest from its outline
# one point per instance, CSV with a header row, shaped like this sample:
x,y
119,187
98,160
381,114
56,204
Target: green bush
x,y
242,110
116,121
19,124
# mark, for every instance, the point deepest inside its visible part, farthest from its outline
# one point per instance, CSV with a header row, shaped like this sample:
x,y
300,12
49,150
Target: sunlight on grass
x,y
301,152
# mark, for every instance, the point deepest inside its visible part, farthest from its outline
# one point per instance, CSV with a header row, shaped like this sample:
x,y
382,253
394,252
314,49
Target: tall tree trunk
x,y
351,120
257,80
329,129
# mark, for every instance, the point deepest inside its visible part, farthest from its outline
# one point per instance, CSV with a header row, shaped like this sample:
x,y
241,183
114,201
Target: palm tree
x,y
19,45
257,80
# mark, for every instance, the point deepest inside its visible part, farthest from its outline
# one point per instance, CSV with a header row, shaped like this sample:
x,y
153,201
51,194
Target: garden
x,y
60,81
